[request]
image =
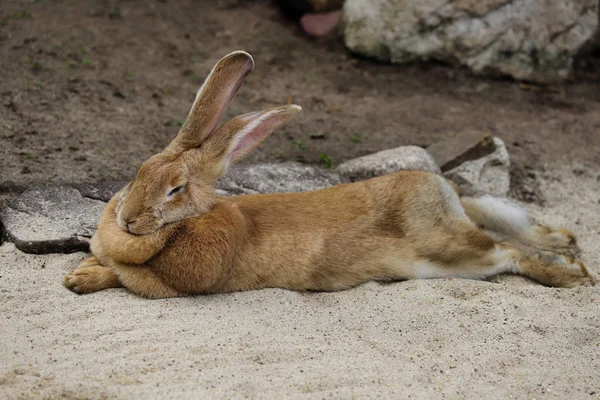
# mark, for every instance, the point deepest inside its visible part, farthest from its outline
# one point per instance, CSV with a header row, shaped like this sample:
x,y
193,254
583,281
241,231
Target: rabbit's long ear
x,y
213,98
238,137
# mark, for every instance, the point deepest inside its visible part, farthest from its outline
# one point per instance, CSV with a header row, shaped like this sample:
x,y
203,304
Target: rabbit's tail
x,y
490,213
497,215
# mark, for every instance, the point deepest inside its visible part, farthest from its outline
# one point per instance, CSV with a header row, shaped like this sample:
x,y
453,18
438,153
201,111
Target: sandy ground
x,y
439,338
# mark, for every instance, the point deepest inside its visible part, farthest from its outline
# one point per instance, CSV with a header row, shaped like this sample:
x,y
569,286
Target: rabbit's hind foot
x,y
559,240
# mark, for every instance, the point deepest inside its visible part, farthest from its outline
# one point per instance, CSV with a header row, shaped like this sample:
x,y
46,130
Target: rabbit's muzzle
x,y
143,224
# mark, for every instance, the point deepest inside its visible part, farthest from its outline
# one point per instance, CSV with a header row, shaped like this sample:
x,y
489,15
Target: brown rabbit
x,y
166,234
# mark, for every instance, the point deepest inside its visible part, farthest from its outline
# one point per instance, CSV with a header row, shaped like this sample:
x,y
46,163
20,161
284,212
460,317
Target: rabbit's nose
x,y
128,224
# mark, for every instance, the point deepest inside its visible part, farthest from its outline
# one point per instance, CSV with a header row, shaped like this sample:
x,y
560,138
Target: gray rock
x,y
388,161
52,219
103,191
531,40
274,178
457,149
490,173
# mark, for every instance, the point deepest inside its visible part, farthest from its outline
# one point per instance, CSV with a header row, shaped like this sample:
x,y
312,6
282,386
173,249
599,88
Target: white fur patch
x,y
422,270
497,214
496,262
499,262
503,262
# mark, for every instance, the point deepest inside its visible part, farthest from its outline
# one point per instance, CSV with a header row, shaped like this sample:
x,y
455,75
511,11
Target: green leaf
x,y
325,159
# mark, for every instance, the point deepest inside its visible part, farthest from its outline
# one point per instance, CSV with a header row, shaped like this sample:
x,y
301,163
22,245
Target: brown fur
x,y
325,240
160,243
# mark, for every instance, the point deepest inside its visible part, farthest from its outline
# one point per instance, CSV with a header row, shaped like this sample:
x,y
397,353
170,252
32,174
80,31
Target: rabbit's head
x,y
179,182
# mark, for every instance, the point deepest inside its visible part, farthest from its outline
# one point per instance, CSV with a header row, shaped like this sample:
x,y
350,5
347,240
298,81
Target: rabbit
x,y
166,234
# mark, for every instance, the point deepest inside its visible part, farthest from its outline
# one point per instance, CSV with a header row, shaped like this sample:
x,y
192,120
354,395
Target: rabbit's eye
x,y
176,190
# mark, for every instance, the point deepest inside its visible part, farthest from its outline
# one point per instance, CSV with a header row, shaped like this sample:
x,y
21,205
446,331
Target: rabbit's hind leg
x,y
546,267
461,250
511,222
90,277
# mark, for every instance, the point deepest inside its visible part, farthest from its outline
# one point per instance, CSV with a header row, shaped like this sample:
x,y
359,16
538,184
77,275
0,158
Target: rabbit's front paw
x,y
91,277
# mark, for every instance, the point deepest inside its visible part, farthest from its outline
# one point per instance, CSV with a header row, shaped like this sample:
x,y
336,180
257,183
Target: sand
x,y
510,338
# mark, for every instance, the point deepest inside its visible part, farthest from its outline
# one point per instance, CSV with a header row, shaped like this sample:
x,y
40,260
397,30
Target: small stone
x,y
388,161
457,149
490,174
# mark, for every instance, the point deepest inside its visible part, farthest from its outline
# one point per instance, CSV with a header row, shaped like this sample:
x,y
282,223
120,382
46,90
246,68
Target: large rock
x,y
388,161
274,178
53,219
490,174
531,40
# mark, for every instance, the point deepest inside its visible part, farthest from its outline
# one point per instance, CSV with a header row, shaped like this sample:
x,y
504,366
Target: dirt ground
x,y
90,89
